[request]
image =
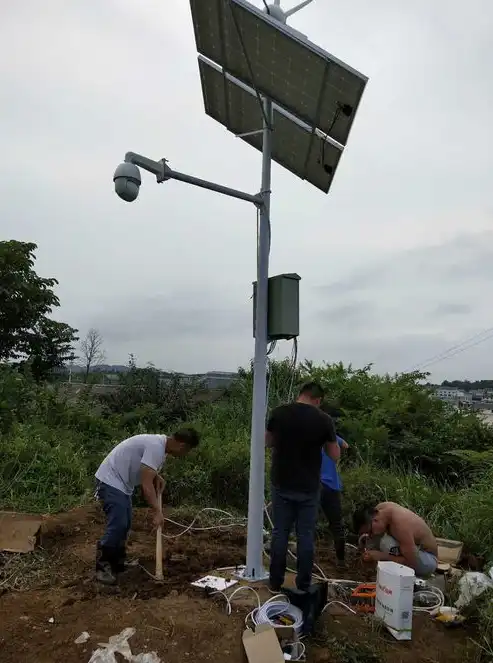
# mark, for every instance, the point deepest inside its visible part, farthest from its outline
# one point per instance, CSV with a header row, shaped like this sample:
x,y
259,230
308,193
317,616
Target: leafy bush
x,y
153,399
40,470
396,420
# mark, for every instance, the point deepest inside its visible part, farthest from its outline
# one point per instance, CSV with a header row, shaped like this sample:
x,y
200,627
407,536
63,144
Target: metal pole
x,y
163,173
211,186
254,566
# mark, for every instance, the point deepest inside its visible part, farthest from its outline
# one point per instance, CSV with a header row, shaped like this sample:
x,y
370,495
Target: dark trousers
x,y
330,501
117,507
299,510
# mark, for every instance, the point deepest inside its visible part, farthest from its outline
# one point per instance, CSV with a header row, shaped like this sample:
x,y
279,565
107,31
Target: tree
x,y
52,346
27,334
92,350
152,398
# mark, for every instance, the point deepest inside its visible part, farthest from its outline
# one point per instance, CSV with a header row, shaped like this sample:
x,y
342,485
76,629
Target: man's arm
x,y
150,481
333,450
408,552
159,483
331,447
342,445
147,478
407,546
378,556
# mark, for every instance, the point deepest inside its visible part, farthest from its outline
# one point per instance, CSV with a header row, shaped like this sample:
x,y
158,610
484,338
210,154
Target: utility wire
x,y
454,350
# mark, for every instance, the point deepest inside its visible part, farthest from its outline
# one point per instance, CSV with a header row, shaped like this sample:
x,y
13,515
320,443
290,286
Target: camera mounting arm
x,y
163,173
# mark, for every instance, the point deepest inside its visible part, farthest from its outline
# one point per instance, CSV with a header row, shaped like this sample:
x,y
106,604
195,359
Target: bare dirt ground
x,y
53,599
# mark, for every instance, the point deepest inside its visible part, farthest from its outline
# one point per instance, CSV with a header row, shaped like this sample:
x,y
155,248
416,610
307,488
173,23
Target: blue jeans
x,y
117,507
426,563
301,510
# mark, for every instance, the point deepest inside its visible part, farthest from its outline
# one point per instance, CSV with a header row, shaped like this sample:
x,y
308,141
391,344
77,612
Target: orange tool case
x,y
363,597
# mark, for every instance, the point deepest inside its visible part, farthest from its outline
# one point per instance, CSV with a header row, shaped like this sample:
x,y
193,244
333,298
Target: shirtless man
x,y
391,533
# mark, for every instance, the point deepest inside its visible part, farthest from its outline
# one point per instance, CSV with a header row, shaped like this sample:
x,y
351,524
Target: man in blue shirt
x,y
330,501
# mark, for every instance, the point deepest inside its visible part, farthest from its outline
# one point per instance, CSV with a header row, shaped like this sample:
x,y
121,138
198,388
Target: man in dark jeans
x,y
135,461
297,433
330,501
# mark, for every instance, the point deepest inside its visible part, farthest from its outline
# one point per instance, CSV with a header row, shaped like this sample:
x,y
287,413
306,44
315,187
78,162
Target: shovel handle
x,y
159,543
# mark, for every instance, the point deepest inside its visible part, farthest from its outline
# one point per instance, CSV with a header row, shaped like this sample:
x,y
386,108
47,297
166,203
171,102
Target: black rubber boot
x,y
121,560
106,565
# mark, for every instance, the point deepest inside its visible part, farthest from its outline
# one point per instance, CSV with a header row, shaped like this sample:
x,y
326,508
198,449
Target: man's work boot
x,y
105,575
106,565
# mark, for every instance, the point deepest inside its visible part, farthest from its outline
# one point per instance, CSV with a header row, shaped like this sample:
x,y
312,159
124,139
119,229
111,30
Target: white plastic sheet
x,y
471,585
118,644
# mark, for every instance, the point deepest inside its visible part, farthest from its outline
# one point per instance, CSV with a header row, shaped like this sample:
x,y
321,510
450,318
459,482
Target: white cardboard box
x,y
394,600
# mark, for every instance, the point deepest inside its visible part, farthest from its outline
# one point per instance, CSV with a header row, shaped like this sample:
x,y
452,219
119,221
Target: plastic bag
x,y
471,585
119,644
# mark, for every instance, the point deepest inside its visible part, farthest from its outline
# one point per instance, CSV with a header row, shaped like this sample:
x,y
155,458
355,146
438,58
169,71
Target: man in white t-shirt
x,y
135,461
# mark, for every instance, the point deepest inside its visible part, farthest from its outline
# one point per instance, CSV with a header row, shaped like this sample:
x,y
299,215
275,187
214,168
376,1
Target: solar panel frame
x,y
296,74
295,145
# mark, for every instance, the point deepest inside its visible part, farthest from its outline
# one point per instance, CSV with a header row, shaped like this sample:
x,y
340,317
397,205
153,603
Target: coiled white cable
x,y
266,613
429,592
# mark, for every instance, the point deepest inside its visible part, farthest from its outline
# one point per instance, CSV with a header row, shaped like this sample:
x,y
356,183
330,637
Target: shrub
x,y
41,471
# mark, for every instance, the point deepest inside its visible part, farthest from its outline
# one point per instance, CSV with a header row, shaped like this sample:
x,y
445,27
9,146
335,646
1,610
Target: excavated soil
x,y
54,599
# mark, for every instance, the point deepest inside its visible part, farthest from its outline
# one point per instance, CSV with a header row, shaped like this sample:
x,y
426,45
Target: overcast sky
x,y
396,262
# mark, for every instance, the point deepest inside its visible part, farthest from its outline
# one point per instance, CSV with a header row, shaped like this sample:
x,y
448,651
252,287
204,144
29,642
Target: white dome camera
x,y
127,181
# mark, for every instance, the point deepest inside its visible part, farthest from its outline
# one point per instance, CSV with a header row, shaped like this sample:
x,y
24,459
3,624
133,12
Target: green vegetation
x,y
27,335
406,445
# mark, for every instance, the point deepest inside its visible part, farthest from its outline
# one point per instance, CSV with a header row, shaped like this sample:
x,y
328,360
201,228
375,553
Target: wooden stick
x,y
159,543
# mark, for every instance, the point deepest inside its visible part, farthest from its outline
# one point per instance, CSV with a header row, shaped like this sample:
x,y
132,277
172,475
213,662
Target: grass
x,y
465,515
346,650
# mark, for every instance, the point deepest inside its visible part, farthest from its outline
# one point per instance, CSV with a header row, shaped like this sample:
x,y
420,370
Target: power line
x,y
454,350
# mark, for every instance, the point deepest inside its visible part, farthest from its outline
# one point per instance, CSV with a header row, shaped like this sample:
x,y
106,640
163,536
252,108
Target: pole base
x,y
242,574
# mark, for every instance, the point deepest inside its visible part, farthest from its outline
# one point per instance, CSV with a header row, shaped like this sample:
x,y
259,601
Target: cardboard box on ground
x,y
394,599
19,532
265,644
449,553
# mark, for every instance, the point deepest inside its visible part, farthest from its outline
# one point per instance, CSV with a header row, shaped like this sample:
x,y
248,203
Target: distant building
x,y
453,395
447,393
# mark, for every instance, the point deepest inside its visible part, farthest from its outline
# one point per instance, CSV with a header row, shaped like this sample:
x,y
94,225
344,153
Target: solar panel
x,y
295,73
295,145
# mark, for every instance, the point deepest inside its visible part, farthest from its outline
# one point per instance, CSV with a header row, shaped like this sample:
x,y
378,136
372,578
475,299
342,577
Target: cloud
x,y
413,306
451,308
154,319
348,315
387,260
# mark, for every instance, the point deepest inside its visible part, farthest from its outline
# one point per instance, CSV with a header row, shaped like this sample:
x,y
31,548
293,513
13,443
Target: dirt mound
x,y
59,600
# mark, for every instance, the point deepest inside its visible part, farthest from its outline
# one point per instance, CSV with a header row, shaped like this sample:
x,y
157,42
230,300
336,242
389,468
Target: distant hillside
x,y
211,379
101,368
466,385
